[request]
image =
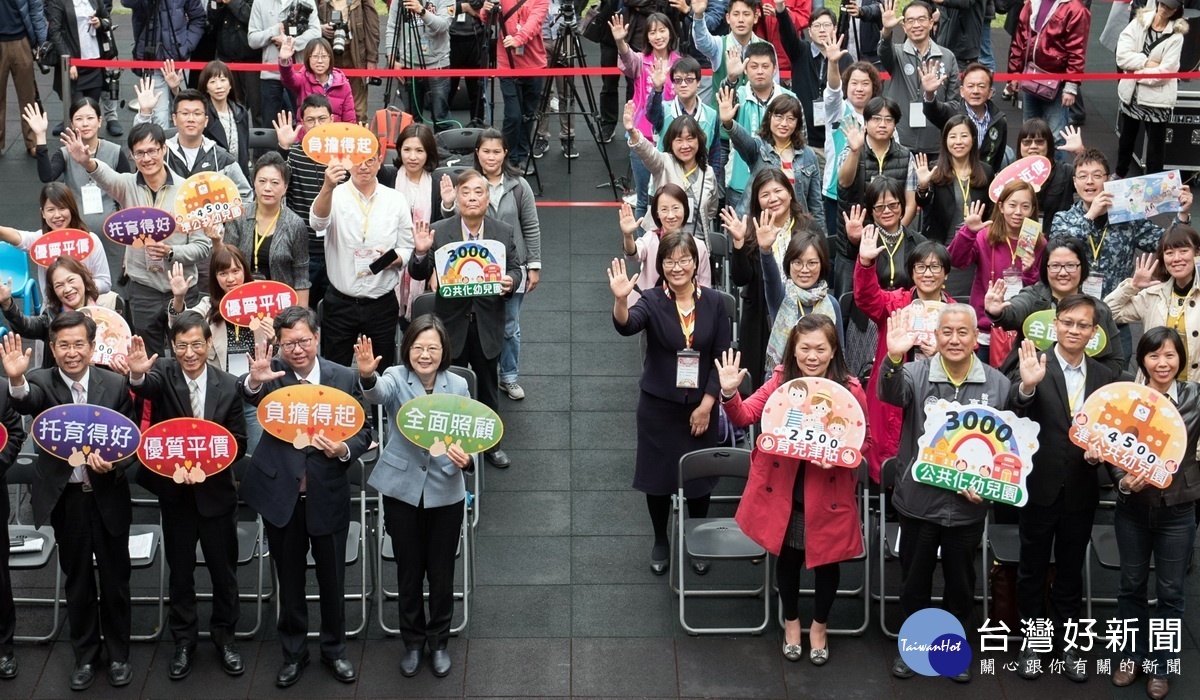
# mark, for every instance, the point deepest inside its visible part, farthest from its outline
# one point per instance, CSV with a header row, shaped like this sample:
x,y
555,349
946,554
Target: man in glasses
x,y
303,496
974,100
153,185
753,97
685,77
368,241
186,386
903,60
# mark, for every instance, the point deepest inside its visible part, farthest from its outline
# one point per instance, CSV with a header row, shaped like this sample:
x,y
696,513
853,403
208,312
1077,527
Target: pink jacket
x,y
526,27
301,83
638,67
991,260
832,528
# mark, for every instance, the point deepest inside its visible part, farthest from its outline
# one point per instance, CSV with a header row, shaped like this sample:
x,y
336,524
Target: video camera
x,y
341,32
567,14
295,19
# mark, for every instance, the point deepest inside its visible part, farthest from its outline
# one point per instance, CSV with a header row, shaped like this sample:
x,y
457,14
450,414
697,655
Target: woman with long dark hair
x,y
228,120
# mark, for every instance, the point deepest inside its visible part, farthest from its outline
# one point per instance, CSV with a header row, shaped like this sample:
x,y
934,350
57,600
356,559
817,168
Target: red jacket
x,y
1062,44
526,27
832,527
301,83
768,28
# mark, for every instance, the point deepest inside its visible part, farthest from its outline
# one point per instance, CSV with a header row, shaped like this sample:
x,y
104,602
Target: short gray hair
x,y
958,308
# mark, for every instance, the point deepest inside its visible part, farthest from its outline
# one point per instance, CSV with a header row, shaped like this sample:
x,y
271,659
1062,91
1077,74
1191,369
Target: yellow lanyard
x,y
880,160
1096,248
1073,401
965,187
957,385
366,211
262,234
688,175
891,252
687,323
1012,252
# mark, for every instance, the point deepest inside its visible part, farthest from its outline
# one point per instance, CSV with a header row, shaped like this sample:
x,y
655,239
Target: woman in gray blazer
x,y
423,495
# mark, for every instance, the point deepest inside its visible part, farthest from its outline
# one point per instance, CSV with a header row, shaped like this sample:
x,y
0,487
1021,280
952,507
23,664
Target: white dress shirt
x,y
360,229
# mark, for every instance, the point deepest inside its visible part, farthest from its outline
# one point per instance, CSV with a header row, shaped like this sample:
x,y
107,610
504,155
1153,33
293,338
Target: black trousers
x,y
787,576
424,540
8,609
919,544
345,318
183,527
81,533
1047,530
467,52
486,368
610,102
289,550
1156,144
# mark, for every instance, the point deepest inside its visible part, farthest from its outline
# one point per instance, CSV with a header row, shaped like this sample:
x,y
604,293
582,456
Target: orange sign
x,y
348,144
186,450
297,414
207,199
249,305
70,242
1134,427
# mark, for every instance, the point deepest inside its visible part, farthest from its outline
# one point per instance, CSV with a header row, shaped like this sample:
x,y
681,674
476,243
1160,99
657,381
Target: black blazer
x,y
105,388
216,131
61,31
489,311
1058,462
166,387
271,485
16,437
940,208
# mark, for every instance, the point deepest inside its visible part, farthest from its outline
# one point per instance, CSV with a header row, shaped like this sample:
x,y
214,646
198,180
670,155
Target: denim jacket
x,y
760,156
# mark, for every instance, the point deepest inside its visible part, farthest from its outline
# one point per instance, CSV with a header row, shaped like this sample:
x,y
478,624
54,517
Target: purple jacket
x,y
301,83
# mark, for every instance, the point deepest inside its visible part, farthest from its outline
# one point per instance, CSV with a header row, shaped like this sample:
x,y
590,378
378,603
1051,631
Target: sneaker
x,y
514,390
964,677
529,168
606,135
1074,667
1029,664
540,146
477,124
568,150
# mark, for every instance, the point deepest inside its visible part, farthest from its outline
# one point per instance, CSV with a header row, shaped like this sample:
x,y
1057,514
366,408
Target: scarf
x,y
795,300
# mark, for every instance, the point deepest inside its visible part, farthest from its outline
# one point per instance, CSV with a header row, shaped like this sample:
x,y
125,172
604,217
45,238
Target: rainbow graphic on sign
x,y
470,268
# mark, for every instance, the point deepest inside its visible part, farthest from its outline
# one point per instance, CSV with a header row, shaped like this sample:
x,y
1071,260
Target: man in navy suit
x,y
186,386
8,611
88,506
303,496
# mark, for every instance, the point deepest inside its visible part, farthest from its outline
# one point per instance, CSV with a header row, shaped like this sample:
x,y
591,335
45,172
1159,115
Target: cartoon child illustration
x,y
837,427
822,406
797,405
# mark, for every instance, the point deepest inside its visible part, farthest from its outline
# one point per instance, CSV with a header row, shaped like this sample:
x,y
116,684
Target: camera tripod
x,y
407,52
568,53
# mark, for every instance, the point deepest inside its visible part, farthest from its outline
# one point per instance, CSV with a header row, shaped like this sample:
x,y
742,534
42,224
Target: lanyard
x,y
891,253
366,211
1096,248
262,234
957,385
1073,401
687,177
687,323
1012,250
965,187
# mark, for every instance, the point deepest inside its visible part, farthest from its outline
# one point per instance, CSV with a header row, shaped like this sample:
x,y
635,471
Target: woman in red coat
x,y
803,512
928,264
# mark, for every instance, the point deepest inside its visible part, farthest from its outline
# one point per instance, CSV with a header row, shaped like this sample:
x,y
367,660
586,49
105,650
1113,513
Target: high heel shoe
x,y
659,560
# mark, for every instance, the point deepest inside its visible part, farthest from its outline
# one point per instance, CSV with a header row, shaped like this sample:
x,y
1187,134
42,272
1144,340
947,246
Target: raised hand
x,y
932,76
629,121
899,340
698,7
729,371
365,357
834,50
618,281
1143,271
974,220
76,148
868,247
446,188
147,98
888,15
287,50
727,107
286,131
1101,204
1185,198
1032,367
658,74
171,77
1072,140
422,237
629,225
681,6
924,174
15,359
733,62
993,301
854,135
335,172
617,26
854,223
137,361
735,225
37,121
765,232
260,367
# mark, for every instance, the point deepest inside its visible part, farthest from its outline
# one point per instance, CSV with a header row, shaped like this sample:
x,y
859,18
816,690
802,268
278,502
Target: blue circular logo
x,y
933,643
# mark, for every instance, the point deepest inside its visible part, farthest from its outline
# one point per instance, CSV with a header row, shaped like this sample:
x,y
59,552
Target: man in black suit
x,y
475,324
88,506
186,386
1063,488
8,611
303,496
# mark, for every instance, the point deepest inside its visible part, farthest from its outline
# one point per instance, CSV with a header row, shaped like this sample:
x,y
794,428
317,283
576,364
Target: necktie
x,y
197,407
80,395
304,477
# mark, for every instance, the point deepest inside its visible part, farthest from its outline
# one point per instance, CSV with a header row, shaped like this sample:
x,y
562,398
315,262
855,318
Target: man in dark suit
x,y
303,496
475,324
8,611
186,386
1063,488
88,506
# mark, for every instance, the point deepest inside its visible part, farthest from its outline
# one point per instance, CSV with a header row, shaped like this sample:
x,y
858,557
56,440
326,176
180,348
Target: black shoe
x,y
498,458
58,129
119,673
82,677
530,169
606,134
181,662
289,673
410,663
341,669
964,677
901,669
660,560
440,661
1074,667
540,146
568,150
231,660
8,667
701,566
114,128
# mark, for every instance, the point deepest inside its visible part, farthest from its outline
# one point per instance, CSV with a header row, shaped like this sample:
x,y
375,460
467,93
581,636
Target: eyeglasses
x,y
886,206
821,25
147,154
1033,142
316,121
882,119
197,346
71,347
916,20
1063,267
303,344
421,349
684,79
922,268
1071,325
806,264
190,115
1091,177
677,264
784,117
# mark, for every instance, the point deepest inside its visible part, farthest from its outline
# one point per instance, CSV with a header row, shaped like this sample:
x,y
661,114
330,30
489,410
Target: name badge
x,y
362,261
916,115
819,113
237,364
1012,283
93,201
1094,286
687,369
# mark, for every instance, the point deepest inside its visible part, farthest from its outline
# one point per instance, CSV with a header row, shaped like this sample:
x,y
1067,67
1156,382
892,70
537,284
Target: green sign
x,y
1039,328
436,421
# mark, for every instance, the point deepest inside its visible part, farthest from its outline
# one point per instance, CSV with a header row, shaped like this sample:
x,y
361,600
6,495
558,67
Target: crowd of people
x,y
844,164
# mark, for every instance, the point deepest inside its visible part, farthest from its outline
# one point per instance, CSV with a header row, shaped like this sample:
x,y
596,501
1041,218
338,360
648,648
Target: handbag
x,y
595,20
1001,345
1040,88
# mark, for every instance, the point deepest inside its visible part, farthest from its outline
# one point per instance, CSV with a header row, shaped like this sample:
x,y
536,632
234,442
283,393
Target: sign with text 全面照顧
x,y
136,226
814,419
346,144
1134,427
470,268
112,335
436,421
69,242
1039,327
251,304
1032,169
207,199
298,413
187,450
73,431
976,447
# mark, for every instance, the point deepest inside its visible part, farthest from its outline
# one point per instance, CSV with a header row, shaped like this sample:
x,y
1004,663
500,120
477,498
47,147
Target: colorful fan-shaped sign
x,y
137,225
73,431
187,450
470,268
251,304
814,419
296,414
923,320
112,335
1039,327
207,199
348,144
70,242
1032,169
437,421
1134,427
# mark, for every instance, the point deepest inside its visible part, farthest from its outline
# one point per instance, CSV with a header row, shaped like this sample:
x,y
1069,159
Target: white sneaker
x,y
514,390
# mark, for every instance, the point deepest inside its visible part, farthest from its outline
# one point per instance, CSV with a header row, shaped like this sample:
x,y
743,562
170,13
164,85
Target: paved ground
x,y
565,604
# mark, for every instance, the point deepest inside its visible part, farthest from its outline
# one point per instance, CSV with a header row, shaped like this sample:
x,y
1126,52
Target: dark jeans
x,y
919,544
610,103
345,318
424,540
431,102
787,575
274,100
520,104
1052,531
466,52
1156,144
1167,533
